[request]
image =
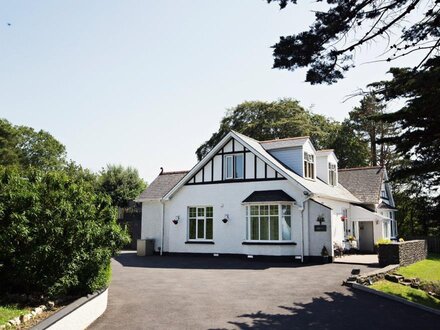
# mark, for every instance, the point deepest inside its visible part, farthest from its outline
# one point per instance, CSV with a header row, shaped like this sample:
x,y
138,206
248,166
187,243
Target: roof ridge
x,y
173,172
360,168
284,139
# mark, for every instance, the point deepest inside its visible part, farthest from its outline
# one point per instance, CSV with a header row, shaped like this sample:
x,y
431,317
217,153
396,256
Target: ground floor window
x,y
393,229
200,223
386,229
268,222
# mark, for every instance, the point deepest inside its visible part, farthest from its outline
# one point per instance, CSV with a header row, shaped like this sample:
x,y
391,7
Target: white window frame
x,y
280,219
332,174
197,218
233,160
386,229
345,225
309,165
393,229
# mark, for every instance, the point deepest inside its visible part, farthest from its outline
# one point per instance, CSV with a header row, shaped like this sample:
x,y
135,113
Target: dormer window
x,y
332,174
309,166
234,167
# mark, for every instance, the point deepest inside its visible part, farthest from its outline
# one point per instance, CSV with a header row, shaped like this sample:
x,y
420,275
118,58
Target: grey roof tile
x,y
363,182
269,196
284,143
161,185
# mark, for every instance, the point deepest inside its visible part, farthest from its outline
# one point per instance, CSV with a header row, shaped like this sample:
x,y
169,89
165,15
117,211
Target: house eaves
x,y
314,187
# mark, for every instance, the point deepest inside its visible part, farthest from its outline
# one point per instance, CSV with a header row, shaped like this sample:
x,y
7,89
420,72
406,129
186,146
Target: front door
x,y
366,238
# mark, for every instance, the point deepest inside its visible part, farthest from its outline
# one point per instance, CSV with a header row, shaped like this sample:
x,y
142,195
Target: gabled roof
x,y
326,153
386,206
284,143
363,182
161,186
268,196
316,187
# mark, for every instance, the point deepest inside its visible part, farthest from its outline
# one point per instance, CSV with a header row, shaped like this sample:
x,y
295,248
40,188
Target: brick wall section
x,y
402,253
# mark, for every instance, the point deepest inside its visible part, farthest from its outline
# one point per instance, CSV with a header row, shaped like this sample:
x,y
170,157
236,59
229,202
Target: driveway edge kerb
x,y
395,298
77,315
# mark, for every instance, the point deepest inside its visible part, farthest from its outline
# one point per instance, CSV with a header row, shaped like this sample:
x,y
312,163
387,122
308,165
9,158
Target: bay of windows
x,y
309,165
200,223
268,222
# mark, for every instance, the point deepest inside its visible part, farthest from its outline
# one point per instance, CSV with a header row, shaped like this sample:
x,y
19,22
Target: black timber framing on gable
x,y
222,153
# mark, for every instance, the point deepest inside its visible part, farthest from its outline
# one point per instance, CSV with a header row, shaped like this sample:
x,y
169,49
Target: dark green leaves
x,y
348,24
57,233
121,184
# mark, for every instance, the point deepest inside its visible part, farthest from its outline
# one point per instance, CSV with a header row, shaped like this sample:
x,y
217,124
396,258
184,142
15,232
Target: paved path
x,y
359,259
227,293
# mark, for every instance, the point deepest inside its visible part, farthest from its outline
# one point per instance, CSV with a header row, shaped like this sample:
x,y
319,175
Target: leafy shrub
x,y
383,241
57,232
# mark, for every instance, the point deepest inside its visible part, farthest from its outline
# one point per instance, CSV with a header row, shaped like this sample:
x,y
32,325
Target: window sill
x,y
268,243
199,242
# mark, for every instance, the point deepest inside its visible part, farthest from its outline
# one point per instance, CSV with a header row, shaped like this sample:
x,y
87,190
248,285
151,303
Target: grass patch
x,y
426,270
406,292
10,311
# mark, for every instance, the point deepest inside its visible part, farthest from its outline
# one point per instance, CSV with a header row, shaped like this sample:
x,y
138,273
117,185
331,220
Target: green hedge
x,y
57,232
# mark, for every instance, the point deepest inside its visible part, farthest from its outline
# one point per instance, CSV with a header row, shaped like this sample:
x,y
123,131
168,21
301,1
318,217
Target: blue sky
x,y
144,83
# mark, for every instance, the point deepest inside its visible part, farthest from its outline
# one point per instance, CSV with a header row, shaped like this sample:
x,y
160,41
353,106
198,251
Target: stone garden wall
x,y
402,253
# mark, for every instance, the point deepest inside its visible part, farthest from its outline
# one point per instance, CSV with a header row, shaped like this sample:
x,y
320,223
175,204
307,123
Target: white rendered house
x,y
267,198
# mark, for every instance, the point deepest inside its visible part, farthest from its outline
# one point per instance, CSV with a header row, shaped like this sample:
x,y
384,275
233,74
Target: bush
x,y
383,241
57,232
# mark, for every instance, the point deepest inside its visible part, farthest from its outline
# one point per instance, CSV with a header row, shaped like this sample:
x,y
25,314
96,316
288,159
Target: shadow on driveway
x,y
358,310
130,259
195,292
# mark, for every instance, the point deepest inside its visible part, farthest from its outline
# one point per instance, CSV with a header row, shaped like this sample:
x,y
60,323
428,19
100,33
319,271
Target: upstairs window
x,y
332,174
234,167
309,166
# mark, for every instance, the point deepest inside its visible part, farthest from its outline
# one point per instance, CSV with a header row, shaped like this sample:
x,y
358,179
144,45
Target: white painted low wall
x,y
78,315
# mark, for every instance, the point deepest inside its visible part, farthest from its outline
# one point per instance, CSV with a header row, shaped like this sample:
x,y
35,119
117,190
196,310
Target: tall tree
x,y
365,119
351,150
418,122
122,184
25,147
327,48
286,118
9,153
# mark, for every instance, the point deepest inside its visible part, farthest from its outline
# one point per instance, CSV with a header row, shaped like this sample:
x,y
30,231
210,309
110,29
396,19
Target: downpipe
x,y
162,226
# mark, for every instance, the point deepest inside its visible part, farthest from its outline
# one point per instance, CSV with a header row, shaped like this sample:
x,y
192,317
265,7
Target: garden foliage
x,y
57,231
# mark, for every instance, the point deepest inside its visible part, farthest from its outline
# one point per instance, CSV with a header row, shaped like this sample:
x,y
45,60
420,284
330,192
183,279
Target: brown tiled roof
x,y
363,182
162,185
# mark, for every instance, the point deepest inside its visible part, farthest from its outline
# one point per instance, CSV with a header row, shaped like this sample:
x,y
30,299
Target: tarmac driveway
x,y
230,293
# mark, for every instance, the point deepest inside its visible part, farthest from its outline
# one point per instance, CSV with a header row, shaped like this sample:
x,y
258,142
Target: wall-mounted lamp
x,y
377,222
176,220
226,218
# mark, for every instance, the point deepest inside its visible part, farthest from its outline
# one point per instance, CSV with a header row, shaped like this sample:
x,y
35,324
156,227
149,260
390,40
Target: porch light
x,y
176,220
226,218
